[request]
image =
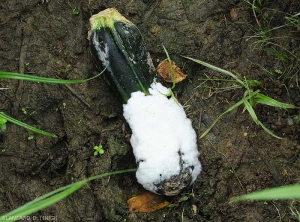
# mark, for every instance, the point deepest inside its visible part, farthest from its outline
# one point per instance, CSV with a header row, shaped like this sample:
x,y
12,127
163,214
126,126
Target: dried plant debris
x,y
146,202
163,70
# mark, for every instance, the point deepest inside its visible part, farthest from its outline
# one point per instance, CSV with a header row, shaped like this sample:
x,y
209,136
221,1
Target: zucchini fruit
x,y
117,46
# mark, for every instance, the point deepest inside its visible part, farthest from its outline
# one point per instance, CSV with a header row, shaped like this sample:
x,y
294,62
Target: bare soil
x,y
238,157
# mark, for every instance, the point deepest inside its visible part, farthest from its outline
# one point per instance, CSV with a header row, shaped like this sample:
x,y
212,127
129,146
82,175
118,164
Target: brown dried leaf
x,y
163,70
146,202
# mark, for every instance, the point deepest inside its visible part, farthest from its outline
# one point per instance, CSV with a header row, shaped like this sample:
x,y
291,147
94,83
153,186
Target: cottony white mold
x,y
161,136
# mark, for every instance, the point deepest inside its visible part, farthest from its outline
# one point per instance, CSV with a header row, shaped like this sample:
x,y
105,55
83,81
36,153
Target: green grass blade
x,y
171,68
3,123
45,202
252,83
32,78
266,100
227,111
111,173
19,123
24,207
220,116
53,197
268,131
247,100
217,69
278,193
251,111
2,120
254,117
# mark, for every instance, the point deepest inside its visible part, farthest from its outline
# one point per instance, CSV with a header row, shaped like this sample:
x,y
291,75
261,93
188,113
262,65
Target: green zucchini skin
x,y
117,46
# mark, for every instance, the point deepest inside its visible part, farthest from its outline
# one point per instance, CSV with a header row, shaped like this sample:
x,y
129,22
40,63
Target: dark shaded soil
x,y
237,156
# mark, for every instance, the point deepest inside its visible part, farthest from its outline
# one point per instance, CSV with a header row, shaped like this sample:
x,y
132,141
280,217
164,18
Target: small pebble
x,y
290,121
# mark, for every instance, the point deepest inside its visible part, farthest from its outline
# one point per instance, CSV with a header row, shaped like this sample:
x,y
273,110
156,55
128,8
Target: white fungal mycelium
x,y
161,135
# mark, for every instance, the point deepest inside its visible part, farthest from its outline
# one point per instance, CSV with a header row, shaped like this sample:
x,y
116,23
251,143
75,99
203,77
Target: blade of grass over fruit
x,y
217,69
278,193
19,123
128,57
173,77
171,68
54,197
32,78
